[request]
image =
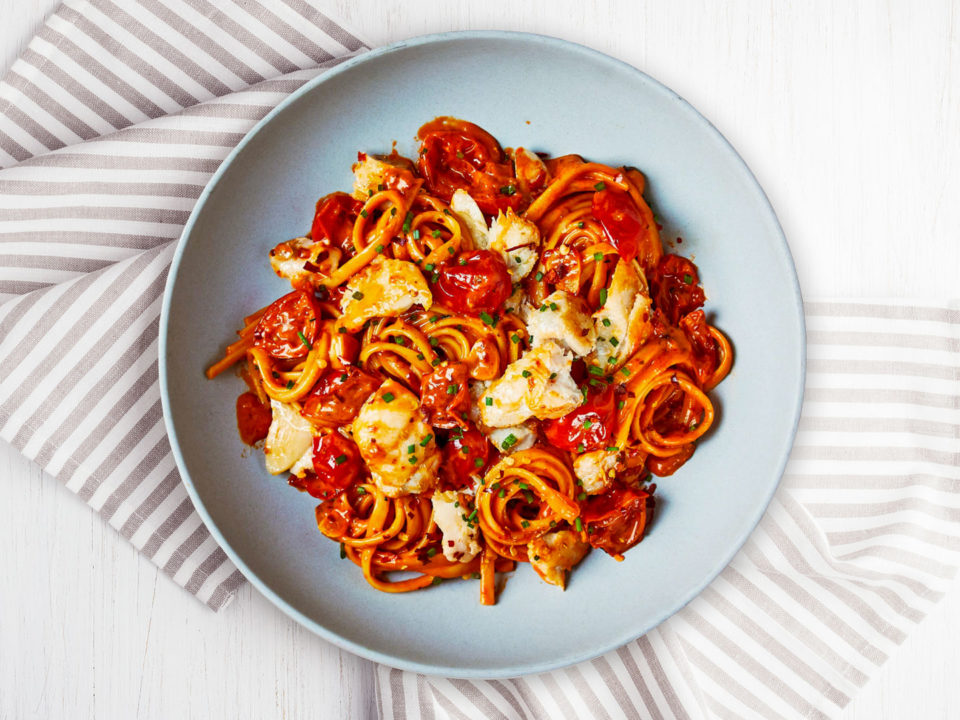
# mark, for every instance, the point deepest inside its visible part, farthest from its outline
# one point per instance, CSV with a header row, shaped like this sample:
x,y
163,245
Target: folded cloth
x,y
861,539
112,122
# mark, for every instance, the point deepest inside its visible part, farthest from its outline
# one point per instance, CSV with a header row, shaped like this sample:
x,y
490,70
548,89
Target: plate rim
x,y
505,671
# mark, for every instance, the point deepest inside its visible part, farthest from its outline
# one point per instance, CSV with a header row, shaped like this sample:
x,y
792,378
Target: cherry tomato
x,y
694,326
280,328
590,425
460,455
445,395
334,219
622,222
336,398
456,154
675,286
615,519
336,462
474,282
253,418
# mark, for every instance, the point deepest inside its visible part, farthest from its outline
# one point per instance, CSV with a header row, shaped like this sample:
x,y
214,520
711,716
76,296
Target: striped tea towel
x,y
110,125
861,539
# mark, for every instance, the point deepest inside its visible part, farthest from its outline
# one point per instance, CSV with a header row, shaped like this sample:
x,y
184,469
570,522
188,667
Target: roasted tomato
x,y
337,464
253,418
622,221
675,286
334,219
445,395
473,282
289,326
615,520
336,398
704,345
589,427
456,154
466,453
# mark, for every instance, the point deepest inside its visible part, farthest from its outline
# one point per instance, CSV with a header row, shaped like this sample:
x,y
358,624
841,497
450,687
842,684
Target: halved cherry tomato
x,y
253,418
456,154
532,173
461,454
675,285
622,222
473,282
334,219
695,327
615,519
445,395
289,326
336,462
336,398
589,426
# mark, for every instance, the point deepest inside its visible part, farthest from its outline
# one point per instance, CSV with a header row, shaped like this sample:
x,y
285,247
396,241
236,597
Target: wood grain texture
x,y
848,113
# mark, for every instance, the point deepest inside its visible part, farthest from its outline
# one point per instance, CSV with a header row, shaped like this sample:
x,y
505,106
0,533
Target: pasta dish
x,y
485,357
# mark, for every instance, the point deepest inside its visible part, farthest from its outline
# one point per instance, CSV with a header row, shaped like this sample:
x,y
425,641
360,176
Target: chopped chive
x,y
580,448
289,384
488,401
379,248
614,341
688,278
411,449
343,377
341,329
598,256
340,459
543,308
581,496
433,341
611,361
501,493
393,211
388,397
452,389
303,339
603,297
380,187
578,524
612,448
436,233
509,441
407,221
625,371
515,338
343,551
580,224
587,424
460,154
436,581
525,373
553,376
524,524
431,552
553,306
488,319
436,361
363,213
429,267
600,186
594,370
416,234
420,356
412,459
606,322
426,440
361,491
620,404
358,295
508,190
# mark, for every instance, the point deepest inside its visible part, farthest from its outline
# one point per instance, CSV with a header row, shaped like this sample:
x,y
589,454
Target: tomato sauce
x,y
334,219
615,520
253,418
336,398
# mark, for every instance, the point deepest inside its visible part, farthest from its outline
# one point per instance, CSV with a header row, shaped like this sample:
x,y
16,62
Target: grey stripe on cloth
x,y
111,123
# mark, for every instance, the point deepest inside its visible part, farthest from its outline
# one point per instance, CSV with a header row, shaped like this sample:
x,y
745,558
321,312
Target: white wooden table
x,y
849,114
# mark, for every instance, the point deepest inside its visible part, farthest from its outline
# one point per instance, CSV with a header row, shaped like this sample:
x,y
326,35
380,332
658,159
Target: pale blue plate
x,y
576,101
